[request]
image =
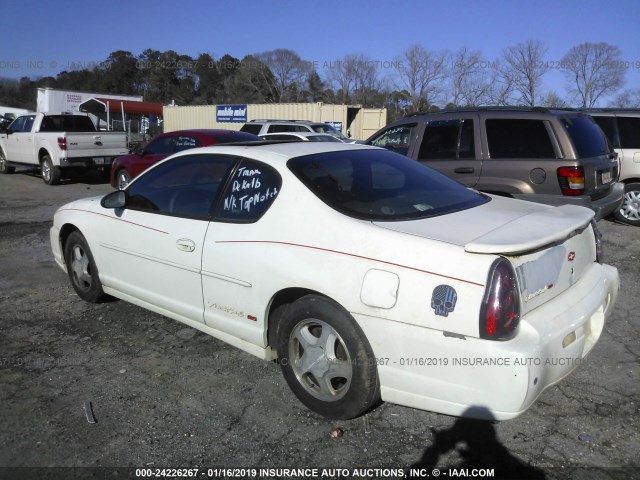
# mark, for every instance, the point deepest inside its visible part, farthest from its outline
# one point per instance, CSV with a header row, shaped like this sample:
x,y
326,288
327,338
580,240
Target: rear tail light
x,y
62,143
500,310
571,180
598,235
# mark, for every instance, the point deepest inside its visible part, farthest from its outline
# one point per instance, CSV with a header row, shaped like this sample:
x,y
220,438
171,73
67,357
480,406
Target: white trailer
x,y
53,100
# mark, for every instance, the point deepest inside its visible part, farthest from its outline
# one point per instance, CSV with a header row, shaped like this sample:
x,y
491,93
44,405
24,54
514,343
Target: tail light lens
x,y
62,143
571,180
500,310
598,235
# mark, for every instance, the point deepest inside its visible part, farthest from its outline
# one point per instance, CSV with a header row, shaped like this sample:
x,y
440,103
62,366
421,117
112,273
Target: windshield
x,y
381,185
326,128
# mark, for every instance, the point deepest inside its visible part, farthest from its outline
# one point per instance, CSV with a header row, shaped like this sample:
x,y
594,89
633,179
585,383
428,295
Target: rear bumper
x,y
87,162
464,376
602,207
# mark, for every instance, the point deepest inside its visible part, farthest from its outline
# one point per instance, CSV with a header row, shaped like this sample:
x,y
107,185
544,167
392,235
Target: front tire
x,y
4,167
82,269
50,173
326,359
629,212
122,179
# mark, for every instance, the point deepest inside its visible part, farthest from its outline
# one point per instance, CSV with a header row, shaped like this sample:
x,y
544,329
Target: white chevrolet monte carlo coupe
x,y
367,275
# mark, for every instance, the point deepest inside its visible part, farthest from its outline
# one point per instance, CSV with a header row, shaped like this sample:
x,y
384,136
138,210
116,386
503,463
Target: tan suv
x,y
548,156
622,127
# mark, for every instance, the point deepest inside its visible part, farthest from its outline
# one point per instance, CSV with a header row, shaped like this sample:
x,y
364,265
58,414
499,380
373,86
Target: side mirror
x,y
117,199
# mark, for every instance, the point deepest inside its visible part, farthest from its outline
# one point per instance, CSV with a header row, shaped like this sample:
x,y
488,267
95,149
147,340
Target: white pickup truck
x,y
58,143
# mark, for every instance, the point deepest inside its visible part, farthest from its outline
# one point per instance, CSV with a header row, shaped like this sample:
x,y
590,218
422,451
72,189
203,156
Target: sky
x,y
43,37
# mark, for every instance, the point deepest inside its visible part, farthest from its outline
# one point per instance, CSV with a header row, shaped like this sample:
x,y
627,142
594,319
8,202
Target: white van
x,y
622,127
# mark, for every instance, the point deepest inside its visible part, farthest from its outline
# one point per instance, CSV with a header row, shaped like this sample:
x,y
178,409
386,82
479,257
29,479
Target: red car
x,y
127,167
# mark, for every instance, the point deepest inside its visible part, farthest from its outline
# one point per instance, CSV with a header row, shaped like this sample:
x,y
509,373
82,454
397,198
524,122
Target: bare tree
x,y
525,66
593,70
501,86
342,75
365,75
288,69
470,78
627,99
422,74
553,100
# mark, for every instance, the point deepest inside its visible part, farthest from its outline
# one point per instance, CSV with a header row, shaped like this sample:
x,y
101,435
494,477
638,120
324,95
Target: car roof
x,y
211,132
299,134
277,152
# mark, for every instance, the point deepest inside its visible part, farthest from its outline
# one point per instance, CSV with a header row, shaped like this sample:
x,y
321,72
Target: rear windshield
x,y
587,137
251,128
67,123
381,185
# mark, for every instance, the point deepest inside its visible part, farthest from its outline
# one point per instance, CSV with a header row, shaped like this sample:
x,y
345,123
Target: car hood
x,y
501,226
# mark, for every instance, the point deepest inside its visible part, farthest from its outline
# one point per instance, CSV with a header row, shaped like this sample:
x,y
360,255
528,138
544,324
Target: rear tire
x,y
4,168
629,212
82,269
326,359
50,173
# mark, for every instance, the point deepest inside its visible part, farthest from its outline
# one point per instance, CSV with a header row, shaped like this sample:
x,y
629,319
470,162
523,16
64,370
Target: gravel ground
x,y
167,396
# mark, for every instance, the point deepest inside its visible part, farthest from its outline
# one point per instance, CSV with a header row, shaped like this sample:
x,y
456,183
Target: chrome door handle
x,y
186,245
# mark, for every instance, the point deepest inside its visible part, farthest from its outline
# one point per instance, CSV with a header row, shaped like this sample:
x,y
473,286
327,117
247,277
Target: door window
x,y
160,146
448,139
186,186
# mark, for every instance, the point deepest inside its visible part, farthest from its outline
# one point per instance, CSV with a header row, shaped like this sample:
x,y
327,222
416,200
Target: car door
x,y
152,249
19,143
235,283
452,146
156,150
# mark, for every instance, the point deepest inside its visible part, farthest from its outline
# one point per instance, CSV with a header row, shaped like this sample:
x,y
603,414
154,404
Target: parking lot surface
x,y
167,396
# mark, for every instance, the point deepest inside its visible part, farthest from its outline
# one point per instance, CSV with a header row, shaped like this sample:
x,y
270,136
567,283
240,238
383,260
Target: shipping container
x,y
352,120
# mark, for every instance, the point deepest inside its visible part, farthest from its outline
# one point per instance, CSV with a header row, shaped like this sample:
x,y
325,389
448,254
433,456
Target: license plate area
x,y
98,160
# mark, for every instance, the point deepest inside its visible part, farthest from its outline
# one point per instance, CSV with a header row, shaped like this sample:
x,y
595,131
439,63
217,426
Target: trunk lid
x,y
549,247
96,144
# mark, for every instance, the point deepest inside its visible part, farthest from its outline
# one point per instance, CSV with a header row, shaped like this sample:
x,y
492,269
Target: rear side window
x,y
448,139
396,138
518,138
184,143
586,135
250,192
629,128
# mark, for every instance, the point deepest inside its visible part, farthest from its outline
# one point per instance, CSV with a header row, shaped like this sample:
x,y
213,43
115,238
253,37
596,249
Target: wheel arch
x,y
280,299
43,152
631,180
66,230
